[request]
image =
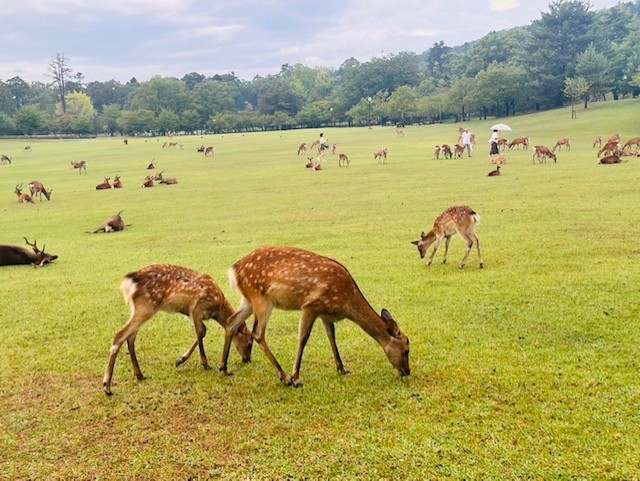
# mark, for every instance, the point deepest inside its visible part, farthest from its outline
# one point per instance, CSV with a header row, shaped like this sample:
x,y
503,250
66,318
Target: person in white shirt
x,y
494,143
466,141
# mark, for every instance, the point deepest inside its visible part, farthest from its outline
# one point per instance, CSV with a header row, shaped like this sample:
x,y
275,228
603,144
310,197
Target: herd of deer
x,y
343,159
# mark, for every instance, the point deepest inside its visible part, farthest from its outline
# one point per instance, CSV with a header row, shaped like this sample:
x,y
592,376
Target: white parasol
x,y
500,127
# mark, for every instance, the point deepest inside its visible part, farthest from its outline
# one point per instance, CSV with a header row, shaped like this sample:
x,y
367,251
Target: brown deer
x,y
502,144
309,164
200,149
524,141
295,279
343,159
36,187
317,166
315,145
112,224
158,176
209,150
458,150
104,185
446,151
381,155
22,198
611,147
399,132
117,183
498,160
82,165
560,143
597,142
610,159
125,141
4,159
169,181
541,153
152,165
461,219
633,141
494,173
333,148
148,182
175,289
27,148
302,149
15,255
436,152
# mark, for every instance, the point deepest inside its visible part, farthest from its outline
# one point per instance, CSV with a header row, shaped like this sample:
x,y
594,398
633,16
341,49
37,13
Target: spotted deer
x,y
459,219
298,280
36,187
22,198
15,255
174,289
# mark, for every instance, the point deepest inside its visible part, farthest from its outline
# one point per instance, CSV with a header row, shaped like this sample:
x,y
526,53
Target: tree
x,y
59,71
167,121
593,67
30,120
575,88
110,115
79,117
402,101
137,121
161,93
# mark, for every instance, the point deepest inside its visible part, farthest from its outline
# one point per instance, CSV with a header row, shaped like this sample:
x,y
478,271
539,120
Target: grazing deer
x,y
209,150
610,159
22,198
309,164
175,289
15,255
597,142
446,151
493,173
125,141
104,185
152,165
4,159
302,149
117,183
458,150
524,141
295,279
436,152
82,165
541,153
343,159
611,147
148,181
560,143
112,224
27,148
502,144
633,141
399,132
461,219
381,155
169,181
36,187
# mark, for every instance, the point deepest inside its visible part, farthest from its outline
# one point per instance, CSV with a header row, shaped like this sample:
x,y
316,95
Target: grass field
x,y
528,368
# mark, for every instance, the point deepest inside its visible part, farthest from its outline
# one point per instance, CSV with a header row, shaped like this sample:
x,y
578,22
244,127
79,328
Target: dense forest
x,y
570,54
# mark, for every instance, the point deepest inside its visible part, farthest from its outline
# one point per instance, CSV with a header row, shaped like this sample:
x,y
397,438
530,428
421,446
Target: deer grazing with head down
x,y
541,153
15,255
5,159
517,142
22,198
381,156
632,141
343,159
560,143
82,165
175,289
459,219
295,279
36,187
209,150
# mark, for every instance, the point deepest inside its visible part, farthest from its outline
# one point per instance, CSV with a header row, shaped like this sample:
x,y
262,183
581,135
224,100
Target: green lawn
x,y
527,368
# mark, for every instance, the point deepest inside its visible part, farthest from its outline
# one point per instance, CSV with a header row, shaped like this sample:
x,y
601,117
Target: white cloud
x,y
502,5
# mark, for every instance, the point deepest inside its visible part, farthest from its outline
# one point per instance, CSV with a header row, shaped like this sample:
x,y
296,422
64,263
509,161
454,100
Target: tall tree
x,y
593,66
59,71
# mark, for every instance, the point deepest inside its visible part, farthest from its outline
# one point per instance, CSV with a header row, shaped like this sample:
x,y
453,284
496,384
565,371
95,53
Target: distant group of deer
x,y
613,151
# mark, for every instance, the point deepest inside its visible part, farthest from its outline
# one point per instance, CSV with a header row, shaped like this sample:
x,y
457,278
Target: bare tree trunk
x,y
59,71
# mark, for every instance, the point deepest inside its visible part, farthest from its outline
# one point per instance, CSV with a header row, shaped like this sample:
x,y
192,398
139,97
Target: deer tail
x,y
129,287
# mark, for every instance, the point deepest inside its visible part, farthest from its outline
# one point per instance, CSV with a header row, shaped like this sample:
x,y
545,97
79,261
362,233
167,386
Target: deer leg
x,y
233,324
477,241
127,333
304,331
201,331
182,359
263,312
446,248
331,334
435,249
469,242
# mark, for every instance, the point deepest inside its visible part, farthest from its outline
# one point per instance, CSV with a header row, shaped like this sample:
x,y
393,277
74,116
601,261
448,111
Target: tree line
x,y
570,54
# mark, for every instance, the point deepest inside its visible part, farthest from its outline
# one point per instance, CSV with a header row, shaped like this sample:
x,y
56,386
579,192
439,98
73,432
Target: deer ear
x,y
415,243
422,235
392,327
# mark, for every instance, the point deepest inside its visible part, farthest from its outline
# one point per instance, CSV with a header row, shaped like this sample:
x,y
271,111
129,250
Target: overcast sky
x,y
120,39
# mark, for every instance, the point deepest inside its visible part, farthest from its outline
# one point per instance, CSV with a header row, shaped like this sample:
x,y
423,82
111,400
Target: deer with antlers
x,y
459,219
174,289
82,165
105,184
22,198
36,187
15,255
112,224
148,182
295,279
117,183
152,165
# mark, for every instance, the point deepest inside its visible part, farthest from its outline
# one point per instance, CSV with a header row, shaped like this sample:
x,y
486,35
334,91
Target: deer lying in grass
x,y
169,181
22,198
105,184
117,183
459,219
152,165
498,160
148,182
309,164
15,255
541,153
82,165
112,224
381,155
158,176
175,289
294,279
343,159
560,143
610,159
36,187
494,173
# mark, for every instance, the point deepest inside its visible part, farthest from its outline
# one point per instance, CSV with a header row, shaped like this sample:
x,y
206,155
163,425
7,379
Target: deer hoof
x,y
223,370
481,265
140,377
180,361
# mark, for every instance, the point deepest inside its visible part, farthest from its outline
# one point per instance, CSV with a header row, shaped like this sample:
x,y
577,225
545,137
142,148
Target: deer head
x,y
41,258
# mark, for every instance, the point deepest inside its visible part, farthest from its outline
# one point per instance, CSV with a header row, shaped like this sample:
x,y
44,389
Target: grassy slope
x,y
526,368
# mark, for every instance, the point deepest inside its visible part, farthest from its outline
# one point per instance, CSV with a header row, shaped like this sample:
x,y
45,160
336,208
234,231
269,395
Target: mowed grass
x,y
527,368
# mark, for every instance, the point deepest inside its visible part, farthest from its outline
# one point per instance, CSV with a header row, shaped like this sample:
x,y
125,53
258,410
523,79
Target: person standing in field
x,y
323,147
465,137
494,143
